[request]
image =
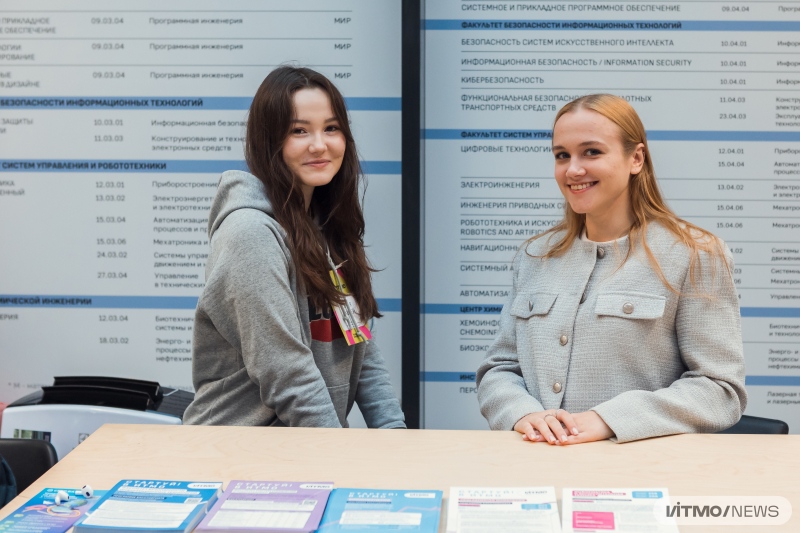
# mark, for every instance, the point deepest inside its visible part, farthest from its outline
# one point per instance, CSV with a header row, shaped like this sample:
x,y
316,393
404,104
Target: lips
x,y
317,163
580,187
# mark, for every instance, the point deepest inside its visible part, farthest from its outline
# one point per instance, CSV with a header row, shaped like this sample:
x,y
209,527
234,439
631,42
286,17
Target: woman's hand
x,y
590,428
546,426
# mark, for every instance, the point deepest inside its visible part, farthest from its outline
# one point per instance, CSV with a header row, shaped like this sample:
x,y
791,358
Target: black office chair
x,y
755,425
28,459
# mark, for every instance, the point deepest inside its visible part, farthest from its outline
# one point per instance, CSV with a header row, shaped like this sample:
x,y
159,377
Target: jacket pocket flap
x,y
538,303
630,305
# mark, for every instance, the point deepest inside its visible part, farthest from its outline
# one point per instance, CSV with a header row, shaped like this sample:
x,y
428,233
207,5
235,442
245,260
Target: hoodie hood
x,y
237,190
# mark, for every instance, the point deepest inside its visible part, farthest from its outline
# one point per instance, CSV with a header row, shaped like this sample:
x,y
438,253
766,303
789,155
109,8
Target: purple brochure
x,y
275,506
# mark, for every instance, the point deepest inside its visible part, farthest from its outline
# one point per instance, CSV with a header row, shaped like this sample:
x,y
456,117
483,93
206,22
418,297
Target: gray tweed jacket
x,y
581,333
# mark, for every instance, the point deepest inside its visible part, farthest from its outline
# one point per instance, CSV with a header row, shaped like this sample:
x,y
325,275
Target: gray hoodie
x,y
260,356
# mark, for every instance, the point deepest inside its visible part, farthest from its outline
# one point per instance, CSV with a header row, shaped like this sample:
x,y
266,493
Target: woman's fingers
x,y
543,427
524,426
547,426
556,428
568,421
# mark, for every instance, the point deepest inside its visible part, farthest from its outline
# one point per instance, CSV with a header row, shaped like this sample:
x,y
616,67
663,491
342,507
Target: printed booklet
x,y
610,510
150,506
491,509
41,514
354,510
273,506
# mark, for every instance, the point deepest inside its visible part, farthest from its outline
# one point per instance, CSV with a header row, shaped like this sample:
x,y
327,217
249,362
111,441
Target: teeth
x,y
580,186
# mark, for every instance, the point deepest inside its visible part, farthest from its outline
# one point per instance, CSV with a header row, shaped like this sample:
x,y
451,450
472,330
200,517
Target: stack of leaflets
x,y
151,506
41,514
354,510
585,510
507,509
273,506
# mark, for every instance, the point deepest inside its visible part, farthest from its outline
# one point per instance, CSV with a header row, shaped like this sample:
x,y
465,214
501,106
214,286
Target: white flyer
x,y
606,510
507,509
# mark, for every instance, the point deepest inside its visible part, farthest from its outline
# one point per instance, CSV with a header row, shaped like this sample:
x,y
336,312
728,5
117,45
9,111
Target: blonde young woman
x,y
623,321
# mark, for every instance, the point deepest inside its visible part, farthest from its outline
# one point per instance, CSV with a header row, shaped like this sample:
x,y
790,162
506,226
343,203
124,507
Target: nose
x,y
317,143
575,169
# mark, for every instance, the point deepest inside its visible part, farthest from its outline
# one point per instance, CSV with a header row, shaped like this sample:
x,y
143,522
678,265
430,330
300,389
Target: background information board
x,y
116,120
716,84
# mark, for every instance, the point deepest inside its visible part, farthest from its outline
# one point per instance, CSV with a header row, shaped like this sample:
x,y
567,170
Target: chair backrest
x,y
755,425
28,459
8,485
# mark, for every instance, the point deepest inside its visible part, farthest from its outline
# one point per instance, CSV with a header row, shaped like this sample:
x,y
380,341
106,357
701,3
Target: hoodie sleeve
x,y
249,299
375,395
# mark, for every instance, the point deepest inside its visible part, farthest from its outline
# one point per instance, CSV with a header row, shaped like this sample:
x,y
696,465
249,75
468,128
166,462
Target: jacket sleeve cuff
x,y
624,424
507,415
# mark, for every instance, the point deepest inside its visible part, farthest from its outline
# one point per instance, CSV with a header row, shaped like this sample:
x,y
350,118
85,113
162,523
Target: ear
x,y
637,160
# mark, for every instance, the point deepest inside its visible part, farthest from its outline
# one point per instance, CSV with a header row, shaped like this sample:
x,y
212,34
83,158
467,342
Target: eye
x,y
298,131
562,155
593,151
332,128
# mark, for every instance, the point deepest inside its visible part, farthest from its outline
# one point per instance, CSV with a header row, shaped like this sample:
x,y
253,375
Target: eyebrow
x,y
584,143
298,121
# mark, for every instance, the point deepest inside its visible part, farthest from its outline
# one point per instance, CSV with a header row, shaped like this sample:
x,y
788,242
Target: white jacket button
x,y
627,308
563,340
556,387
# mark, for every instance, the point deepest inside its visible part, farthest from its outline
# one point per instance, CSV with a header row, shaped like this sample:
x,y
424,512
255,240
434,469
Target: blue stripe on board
x,y
458,309
168,166
448,377
382,167
99,302
784,381
484,135
467,377
610,25
493,309
764,136
653,135
770,312
126,166
374,104
139,103
385,305
390,305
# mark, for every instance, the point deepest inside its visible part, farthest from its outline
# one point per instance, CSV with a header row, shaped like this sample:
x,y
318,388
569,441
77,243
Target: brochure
x,y
151,506
507,509
354,510
273,506
41,514
607,510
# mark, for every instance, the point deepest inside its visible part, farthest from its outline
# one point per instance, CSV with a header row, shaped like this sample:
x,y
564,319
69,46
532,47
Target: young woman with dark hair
x,y
623,321
268,349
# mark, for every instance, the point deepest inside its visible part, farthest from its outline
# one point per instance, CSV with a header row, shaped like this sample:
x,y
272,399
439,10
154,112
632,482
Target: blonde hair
x,y
646,200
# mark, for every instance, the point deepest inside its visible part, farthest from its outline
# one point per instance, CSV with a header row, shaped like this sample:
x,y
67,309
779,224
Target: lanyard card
x,y
355,330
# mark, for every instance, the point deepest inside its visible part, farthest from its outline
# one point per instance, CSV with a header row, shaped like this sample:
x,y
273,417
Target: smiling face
x,y
592,167
315,147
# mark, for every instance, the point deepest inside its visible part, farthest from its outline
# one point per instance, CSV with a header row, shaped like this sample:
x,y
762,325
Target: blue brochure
x,y
354,510
41,514
151,506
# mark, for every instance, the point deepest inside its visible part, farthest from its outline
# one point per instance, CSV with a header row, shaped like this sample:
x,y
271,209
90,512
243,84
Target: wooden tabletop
x,y
699,465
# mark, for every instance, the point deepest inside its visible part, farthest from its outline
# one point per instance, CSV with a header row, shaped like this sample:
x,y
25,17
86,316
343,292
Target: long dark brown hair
x,y
335,205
